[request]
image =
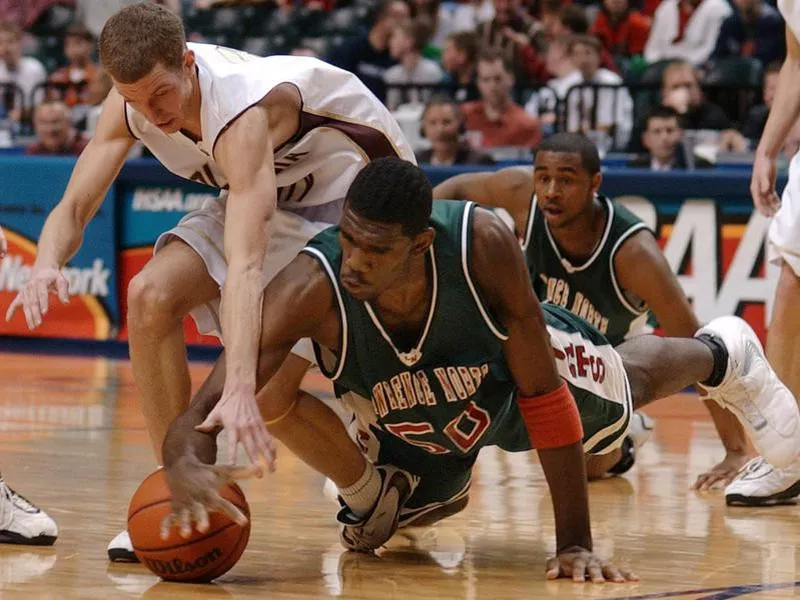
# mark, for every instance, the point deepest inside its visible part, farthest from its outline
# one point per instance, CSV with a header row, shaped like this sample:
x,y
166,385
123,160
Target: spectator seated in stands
x,y
500,121
755,29
757,115
405,46
69,83
543,104
680,89
511,33
686,30
443,126
572,20
368,55
597,109
458,59
23,71
55,134
622,31
663,140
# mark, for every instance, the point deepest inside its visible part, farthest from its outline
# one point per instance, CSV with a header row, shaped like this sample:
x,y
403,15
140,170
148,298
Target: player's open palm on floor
x,y
34,299
195,488
581,565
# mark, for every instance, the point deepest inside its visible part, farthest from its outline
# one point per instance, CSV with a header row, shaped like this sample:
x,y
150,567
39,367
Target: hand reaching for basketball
x,y
34,295
195,490
580,564
239,415
723,472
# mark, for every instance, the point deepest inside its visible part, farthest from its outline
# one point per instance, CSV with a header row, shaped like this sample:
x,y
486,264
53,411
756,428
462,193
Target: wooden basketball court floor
x,y
72,440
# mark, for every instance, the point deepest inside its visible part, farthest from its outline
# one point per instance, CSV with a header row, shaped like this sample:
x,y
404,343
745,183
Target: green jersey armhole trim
x,y
341,359
628,233
466,221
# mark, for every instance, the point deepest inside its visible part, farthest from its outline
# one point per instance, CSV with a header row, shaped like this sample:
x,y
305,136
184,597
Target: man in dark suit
x,y
663,139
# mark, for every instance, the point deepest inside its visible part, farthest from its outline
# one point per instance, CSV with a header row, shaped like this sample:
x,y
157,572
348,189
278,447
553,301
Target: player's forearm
x,y
61,237
241,324
455,188
565,471
730,430
183,439
785,109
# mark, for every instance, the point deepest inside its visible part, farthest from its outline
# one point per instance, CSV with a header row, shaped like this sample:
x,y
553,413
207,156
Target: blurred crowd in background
x,y
669,84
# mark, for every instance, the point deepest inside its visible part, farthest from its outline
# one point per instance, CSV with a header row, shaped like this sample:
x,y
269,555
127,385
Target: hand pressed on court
x,y
723,472
762,185
34,295
581,564
195,492
239,415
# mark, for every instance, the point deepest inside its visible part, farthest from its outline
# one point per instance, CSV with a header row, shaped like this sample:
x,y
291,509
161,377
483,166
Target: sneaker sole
x,y
120,555
786,497
9,537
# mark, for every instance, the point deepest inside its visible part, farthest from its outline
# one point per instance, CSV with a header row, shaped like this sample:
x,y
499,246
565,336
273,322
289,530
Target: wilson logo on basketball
x,y
178,567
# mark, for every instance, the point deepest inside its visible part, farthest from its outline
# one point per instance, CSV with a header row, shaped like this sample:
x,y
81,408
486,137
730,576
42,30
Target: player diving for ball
x,y
595,258
281,137
425,318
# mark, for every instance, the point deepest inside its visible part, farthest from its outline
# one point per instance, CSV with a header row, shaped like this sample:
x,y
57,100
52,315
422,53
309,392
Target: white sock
x,y
363,494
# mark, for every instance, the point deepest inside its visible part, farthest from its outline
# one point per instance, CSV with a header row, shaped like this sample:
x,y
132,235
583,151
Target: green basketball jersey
x,y
589,290
445,395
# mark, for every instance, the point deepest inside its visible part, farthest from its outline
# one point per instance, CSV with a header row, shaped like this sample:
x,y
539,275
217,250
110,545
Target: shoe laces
x,y
755,467
17,499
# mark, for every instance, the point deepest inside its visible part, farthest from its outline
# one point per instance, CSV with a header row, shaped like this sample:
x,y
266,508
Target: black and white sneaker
x,y
368,533
121,549
23,523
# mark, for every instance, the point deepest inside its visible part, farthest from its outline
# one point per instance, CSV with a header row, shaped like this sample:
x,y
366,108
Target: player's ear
x,y
188,59
597,180
423,241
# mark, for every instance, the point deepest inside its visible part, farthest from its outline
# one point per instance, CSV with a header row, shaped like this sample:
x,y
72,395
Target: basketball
x,y
201,557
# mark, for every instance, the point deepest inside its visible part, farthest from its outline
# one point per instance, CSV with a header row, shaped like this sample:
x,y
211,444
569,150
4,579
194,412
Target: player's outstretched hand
x,y
195,493
762,186
723,472
239,415
33,298
581,565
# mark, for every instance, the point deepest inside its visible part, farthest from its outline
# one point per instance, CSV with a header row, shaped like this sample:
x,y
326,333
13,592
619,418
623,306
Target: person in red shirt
x,y
55,134
499,120
622,31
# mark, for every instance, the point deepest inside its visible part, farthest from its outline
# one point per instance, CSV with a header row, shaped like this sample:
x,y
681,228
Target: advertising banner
x,y
146,212
31,187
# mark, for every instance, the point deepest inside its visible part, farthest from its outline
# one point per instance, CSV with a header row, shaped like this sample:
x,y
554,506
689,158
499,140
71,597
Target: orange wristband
x,y
552,419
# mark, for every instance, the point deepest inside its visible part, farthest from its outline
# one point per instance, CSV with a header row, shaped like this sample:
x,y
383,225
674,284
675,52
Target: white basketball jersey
x,y
790,9
342,124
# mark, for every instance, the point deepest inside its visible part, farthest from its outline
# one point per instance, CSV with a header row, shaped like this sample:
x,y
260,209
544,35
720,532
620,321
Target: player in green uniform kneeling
x,y
595,258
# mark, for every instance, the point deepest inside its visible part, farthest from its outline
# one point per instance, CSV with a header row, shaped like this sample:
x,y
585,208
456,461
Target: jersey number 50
x,y
464,431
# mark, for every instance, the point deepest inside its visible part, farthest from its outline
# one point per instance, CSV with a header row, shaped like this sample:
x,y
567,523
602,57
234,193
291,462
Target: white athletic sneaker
x,y
23,523
641,429
761,484
368,533
121,549
752,391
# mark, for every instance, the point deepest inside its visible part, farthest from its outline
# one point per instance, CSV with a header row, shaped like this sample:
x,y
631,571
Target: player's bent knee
x,y
151,303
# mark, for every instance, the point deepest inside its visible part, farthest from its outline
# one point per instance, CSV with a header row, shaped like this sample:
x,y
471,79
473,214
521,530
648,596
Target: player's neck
x,y
408,301
579,238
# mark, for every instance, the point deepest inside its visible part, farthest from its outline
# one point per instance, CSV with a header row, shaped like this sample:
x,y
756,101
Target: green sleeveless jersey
x,y
447,394
589,290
